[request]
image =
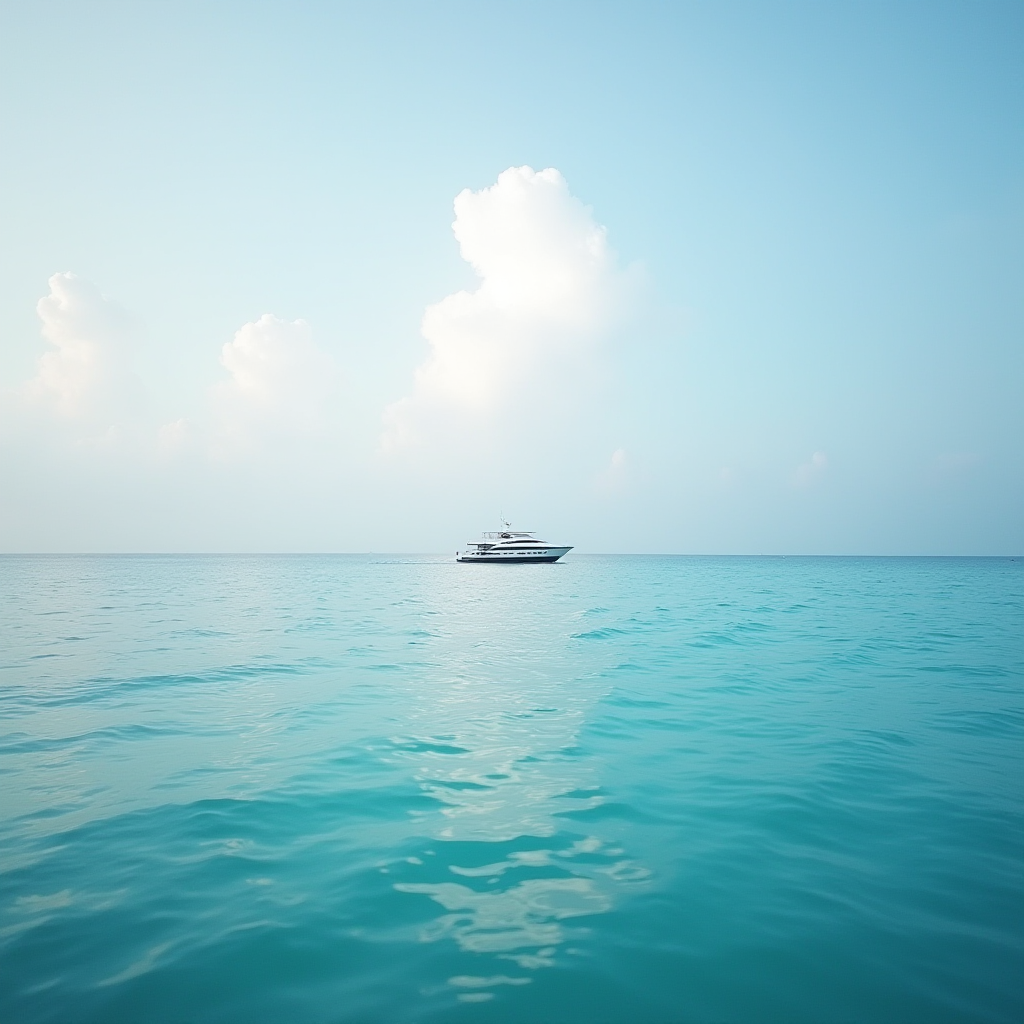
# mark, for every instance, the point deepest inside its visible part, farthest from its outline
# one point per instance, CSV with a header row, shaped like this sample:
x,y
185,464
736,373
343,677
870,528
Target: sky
x,y
723,278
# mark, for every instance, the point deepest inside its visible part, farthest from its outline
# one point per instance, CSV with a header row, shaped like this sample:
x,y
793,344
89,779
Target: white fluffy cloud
x,y
88,372
280,381
549,291
280,384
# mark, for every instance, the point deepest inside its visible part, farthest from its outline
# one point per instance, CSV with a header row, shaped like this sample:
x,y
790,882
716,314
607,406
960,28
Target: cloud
x,y
614,477
812,468
88,372
549,291
280,383
173,436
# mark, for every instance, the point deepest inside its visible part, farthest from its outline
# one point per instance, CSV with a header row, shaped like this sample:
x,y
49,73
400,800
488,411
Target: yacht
x,y
508,545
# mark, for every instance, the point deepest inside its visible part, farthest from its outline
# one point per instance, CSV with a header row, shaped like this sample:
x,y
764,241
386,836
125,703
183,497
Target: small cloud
x,y
727,475
172,437
811,469
615,475
87,374
280,383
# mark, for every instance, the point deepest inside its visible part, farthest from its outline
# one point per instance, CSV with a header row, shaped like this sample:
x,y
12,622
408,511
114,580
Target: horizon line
x,y
438,554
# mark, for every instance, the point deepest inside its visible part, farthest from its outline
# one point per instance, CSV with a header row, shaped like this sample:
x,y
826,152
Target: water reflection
x,y
496,741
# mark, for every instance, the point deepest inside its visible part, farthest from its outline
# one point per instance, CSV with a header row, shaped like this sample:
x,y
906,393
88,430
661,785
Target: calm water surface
x,y
614,789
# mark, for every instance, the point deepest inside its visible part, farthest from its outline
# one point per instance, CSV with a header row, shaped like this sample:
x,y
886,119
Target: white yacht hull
x,y
547,554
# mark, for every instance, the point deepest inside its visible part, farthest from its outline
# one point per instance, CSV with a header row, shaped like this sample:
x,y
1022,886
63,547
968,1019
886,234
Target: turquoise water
x,y
636,789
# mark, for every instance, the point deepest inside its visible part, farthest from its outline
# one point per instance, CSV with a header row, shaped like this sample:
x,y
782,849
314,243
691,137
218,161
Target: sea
x,y
643,789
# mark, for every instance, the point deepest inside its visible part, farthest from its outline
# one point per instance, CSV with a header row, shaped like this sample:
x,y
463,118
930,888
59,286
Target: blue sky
x,y
801,329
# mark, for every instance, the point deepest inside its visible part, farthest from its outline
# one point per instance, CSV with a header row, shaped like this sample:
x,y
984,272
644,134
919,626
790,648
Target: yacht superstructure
x,y
508,545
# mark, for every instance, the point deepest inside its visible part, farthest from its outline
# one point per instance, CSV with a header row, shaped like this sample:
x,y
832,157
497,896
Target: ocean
x,y
633,789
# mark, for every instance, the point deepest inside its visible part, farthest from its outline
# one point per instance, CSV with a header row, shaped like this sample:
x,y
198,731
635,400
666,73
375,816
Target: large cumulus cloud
x,y
550,290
